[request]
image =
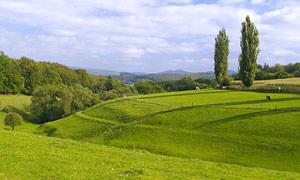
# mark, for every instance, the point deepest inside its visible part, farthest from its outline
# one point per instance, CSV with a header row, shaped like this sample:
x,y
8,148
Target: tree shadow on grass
x,y
247,116
27,117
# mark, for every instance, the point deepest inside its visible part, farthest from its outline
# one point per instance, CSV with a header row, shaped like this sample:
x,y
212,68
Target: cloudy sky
x,y
145,35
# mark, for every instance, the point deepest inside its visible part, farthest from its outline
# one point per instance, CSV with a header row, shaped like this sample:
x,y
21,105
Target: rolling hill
x,y
241,128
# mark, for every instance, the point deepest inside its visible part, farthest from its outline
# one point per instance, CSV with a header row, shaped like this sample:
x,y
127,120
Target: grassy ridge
x,y
28,156
223,126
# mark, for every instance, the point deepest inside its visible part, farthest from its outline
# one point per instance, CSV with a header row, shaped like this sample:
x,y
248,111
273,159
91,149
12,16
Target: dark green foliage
x,y
112,94
82,98
221,55
10,77
24,75
50,103
13,119
30,71
148,87
226,81
109,84
249,45
131,78
83,77
278,71
186,84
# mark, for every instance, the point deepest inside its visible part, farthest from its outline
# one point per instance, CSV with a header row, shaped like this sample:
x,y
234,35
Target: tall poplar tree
x,y
221,55
249,45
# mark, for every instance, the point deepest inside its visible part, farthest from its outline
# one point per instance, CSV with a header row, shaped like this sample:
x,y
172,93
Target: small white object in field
x,y
197,88
224,87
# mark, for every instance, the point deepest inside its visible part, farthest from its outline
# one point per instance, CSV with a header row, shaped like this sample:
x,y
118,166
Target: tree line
x,y
57,91
265,72
186,83
24,75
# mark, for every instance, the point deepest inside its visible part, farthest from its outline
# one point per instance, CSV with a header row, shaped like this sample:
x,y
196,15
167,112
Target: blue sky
x,y
145,35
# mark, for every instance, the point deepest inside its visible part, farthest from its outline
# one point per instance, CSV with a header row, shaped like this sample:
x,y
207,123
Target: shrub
x,y
226,81
13,119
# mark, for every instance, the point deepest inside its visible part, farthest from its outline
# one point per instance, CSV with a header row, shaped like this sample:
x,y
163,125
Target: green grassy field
x,y
17,103
234,127
28,156
289,85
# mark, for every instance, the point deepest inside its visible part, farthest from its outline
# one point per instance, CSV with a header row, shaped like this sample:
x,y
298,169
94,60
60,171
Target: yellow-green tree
x,y
13,119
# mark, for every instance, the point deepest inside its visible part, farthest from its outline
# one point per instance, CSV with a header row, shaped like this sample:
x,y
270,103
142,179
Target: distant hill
x,y
98,72
130,78
132,73
178,71
231,72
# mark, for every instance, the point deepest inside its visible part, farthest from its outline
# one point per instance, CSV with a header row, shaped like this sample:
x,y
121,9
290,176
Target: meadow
x,y
233,127
289,85
18,104
29,156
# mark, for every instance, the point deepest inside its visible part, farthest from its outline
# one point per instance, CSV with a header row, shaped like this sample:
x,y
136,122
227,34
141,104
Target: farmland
x,y
235,127
28,156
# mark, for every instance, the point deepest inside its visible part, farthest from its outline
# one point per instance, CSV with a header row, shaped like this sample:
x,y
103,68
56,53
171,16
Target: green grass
x,y
28,156
233,127
17,103
289,85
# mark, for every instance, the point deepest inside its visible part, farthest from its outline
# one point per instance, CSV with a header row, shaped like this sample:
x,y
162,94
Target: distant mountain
x,y
130,78
178,71
132,73
98,72
231,72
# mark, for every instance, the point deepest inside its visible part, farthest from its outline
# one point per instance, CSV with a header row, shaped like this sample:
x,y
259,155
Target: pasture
x,y
28,156
234,127
18,104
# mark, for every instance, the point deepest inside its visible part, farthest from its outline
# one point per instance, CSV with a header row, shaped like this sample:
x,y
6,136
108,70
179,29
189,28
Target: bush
x,y
13,119
226,81
112,94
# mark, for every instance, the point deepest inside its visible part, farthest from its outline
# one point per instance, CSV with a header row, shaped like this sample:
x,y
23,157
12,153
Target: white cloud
x,y
257,1
116,31
231,1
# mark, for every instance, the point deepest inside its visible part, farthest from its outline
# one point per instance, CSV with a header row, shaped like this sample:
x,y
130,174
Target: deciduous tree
x,y
13,119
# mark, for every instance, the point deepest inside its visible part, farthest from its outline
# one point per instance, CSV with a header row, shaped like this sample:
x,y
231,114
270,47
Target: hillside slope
x,y
223,126
28,156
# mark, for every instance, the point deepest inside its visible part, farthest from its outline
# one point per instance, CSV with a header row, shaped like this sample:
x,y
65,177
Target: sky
x,y
146,35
